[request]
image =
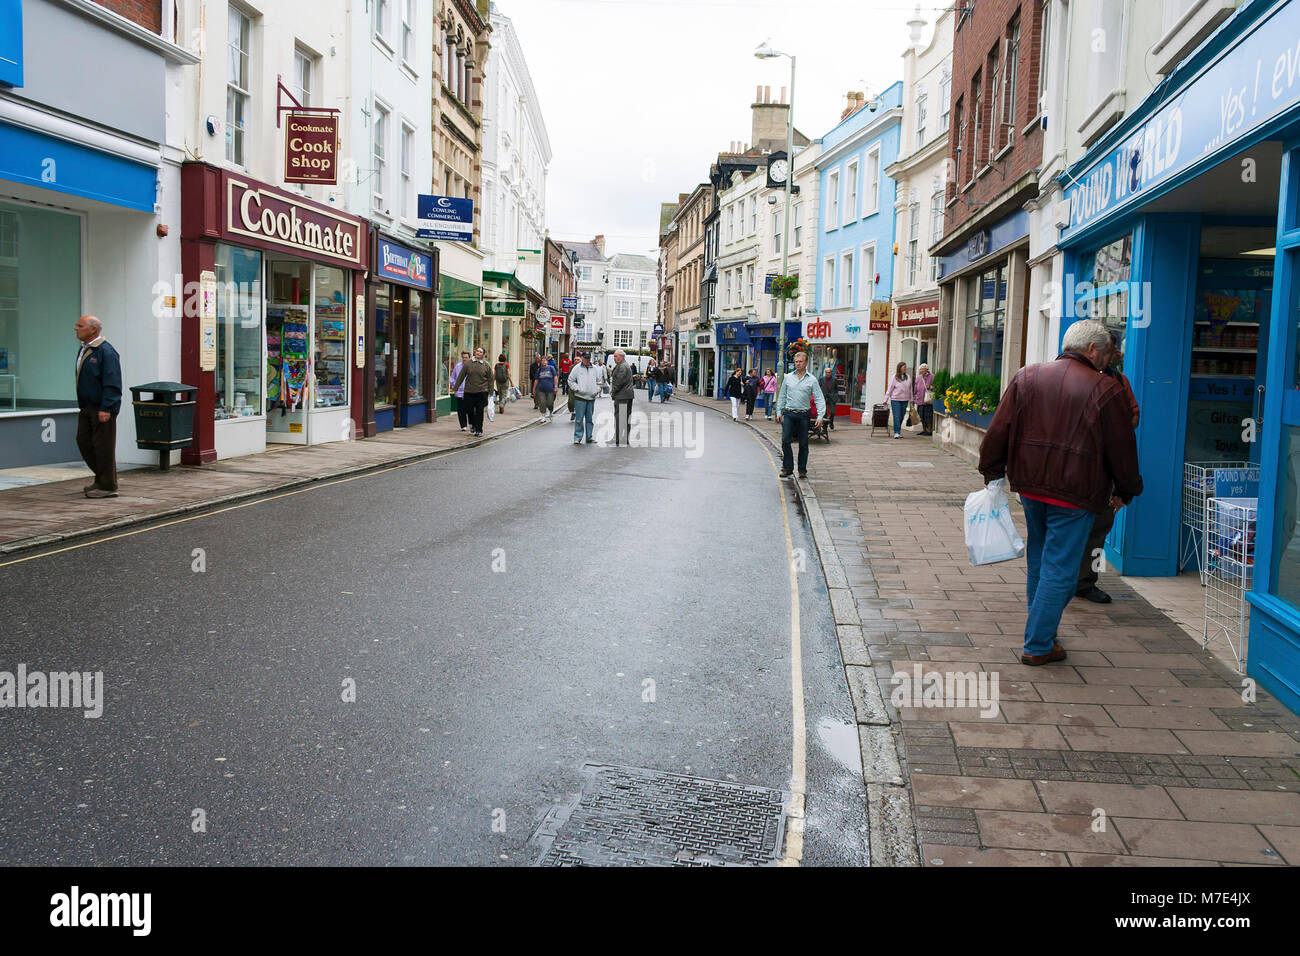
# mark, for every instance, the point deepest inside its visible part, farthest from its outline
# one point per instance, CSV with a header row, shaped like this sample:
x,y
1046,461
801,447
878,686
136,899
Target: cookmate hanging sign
x,y
264,216
311,148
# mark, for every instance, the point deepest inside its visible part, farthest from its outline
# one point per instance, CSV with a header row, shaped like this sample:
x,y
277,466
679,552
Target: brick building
x,y
994,153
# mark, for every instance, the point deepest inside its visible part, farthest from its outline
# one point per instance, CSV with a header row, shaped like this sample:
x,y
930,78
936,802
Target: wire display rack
x,y
1229,570
1198,488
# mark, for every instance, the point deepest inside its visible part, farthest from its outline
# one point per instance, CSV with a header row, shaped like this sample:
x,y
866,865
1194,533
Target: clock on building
x,y
778,170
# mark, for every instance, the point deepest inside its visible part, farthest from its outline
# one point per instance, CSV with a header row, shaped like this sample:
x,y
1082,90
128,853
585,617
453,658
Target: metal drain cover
x,y
629,816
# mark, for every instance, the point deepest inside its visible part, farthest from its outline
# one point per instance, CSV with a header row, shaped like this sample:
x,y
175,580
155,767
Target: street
x,y
412,666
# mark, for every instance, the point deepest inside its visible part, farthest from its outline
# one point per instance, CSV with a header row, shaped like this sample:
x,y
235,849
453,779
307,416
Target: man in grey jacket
x,y
584,386
622,393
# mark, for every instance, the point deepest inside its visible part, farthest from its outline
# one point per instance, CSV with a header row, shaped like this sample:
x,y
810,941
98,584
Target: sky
x,y
639,96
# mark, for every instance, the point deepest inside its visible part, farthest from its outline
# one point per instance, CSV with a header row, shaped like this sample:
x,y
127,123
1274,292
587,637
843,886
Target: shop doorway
x,y
306,353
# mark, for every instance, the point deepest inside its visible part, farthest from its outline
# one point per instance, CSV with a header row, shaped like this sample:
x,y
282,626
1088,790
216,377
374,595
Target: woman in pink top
x,y
900,394
769,393
926,407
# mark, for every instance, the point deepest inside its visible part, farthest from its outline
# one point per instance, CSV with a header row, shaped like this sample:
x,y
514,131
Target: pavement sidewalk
x,y
43,514
1139,750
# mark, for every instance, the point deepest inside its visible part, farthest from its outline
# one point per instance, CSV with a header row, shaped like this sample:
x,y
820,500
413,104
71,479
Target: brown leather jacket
x,y
1063,430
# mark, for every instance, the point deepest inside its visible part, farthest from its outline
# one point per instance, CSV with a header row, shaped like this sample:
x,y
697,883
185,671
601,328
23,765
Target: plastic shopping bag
x,y
492,408
991,535
515,394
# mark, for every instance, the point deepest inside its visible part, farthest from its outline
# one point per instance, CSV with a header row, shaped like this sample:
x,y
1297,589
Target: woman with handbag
x,y
923,395
753,385
769,393
900,396
734,390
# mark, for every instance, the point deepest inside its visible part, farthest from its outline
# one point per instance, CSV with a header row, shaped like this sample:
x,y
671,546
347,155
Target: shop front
x,y
277,351
763,343
733,351
915,334
459,330
1183,236
402,304
840,350
703,362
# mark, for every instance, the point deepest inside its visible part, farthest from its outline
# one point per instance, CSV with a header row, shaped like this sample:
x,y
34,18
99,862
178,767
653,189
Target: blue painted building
x,y
855,243
1184,236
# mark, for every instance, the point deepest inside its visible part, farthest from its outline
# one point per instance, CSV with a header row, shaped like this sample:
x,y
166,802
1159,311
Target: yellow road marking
x,y
799,756
219,511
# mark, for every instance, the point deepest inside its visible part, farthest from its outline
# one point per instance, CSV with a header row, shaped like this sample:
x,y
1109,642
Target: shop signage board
x,y
404,265
1248,86
557,322
445,217
360,309
11,42
207,321
504,308
311,148
1236,483
271,218
880,316
918,313
833,328
659,330
570,302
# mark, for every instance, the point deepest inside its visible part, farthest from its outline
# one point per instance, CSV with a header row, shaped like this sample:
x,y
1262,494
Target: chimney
x,y
599,243
769,122
758,94
767,94
783,94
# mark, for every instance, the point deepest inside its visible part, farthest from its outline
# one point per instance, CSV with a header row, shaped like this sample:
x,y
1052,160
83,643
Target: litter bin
x,y
166,420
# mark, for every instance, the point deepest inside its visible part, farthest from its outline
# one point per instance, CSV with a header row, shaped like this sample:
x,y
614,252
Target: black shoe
x,y
785,473
591,441
803,476
1094,594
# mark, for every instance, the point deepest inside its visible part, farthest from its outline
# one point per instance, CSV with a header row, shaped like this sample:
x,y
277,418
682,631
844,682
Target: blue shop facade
x,y
1183,236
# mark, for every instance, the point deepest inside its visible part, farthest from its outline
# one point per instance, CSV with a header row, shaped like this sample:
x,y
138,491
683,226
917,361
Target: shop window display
x,y
449,335
986,315
415,337
239,373
331,320
383,347
288,354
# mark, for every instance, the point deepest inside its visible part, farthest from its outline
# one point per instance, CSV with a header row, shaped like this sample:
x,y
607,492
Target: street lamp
x,y
766,52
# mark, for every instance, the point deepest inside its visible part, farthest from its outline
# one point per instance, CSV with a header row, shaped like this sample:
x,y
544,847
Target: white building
x,y
919,203
593,276
744,231
516,155
803,239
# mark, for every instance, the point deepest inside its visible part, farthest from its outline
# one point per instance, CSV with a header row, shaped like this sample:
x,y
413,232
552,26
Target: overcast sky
x,y
639,96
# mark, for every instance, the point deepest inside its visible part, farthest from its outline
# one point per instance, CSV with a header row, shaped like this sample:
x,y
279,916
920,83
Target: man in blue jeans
x,y
799,390
584,386
1063,437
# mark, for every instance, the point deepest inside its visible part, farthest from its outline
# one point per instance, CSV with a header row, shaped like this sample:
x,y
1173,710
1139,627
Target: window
x,y
945,96
378,151
623,283
771,311
645,310
833,200
623,309
776,232
731,223
871,196
302,63
828,283
239,43
645,285
381,19
408,30
961,151
995,104
749,284
986,306
1044,51
798,225
586,273
406,194
868,267
936,211
644,336
726,301
977,117
920,121
846,281
1009,85
622,338
851,192
913,244
588,302
753,215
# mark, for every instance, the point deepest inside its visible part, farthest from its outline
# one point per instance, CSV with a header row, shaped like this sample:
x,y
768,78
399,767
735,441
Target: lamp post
x,y
766,52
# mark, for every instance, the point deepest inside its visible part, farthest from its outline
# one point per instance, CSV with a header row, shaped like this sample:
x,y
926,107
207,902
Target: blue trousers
x,y
900,415
651,386
582,409
1055,546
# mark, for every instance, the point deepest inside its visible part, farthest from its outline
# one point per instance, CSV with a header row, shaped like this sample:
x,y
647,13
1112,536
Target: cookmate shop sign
x,y
268,217
311,148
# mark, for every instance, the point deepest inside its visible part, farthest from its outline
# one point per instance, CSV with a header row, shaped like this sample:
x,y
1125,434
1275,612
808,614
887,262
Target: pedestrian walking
x,y
566,364
667,375
734,390
584,386
462,406
503,381
830,392
1063,437
923,396
99,400
899,395
799,391
622,393
1104,520
769,394
532,376
603,371
544,390
477,378
651,380
753,385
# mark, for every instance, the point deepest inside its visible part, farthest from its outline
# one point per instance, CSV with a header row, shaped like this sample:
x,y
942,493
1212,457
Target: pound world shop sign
x,y
257,214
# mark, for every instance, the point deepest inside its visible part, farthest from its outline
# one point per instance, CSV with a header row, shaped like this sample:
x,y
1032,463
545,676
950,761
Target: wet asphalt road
x,y
479,693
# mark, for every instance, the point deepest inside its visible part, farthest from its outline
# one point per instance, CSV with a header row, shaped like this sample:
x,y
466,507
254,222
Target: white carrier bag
x,y
991,535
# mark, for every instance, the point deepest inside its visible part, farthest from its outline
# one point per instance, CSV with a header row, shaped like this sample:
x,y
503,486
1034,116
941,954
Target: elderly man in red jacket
x,y
1063,437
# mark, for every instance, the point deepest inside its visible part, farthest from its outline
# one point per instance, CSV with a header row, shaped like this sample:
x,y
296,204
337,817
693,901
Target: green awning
x,y
459,296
